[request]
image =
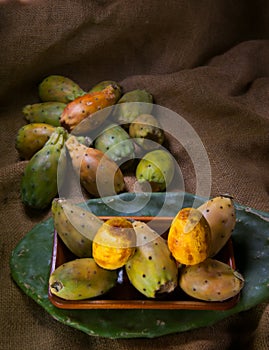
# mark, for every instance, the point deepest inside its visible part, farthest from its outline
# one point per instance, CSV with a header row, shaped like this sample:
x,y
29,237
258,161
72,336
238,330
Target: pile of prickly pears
x,y
183,260
70,124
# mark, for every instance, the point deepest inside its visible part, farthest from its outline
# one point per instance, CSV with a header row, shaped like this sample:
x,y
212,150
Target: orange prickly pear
x,y
85,106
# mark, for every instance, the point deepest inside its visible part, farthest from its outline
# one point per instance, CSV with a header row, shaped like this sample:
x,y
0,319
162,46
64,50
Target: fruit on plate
x,y
75,225
210,280
220,215
114,243
152,270
45,112
81,279
189,237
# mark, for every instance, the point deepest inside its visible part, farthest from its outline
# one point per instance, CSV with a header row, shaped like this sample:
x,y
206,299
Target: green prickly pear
x,y
31,138
81,279
220,215
39,181
147,131
210,280
156,167
59,88
152,269
85,107
116,143
75,225
103,84
45,112
131,105
99,175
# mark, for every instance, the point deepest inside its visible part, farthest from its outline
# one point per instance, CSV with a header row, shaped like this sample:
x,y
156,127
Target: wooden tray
x,y
124,295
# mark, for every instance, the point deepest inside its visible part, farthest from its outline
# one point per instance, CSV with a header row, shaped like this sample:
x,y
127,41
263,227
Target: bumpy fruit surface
x,y
103,84
210,280
39,181
157,167
221,217
116,143
75,225
152,270
31,138
189,237
147,131
114,243
86,106
81,279
59,89
99,175
131,105
46,112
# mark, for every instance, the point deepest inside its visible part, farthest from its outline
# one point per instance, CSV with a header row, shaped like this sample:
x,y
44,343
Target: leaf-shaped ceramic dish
x,y
31,260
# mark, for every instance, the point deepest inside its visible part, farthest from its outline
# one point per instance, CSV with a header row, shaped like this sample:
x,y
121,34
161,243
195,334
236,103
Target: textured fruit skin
x,y
85,106
31,138
81,279
76,226
116,143
221,217
58,88
147,131
152,269
131,105
45,112
103,84
97,172
156,167
210,280
39,181
189,237
114,243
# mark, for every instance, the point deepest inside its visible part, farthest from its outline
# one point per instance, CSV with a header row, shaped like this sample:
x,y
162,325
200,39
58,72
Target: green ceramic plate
x,y
30,268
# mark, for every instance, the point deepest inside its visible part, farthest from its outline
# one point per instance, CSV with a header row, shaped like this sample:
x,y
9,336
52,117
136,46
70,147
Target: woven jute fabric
x,y
206,60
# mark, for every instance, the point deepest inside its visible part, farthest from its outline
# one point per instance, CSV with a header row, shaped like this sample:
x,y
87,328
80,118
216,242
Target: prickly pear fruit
x,y
81,279
156,167
31,138
210,280
115,142
59,89
75,225
152,269
114,243
103,84
189,237
131,105
147,131
220,215
39,181
45,112
99,175
85,107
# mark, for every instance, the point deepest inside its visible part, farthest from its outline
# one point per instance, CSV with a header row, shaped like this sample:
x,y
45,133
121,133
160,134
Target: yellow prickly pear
x,y
46,112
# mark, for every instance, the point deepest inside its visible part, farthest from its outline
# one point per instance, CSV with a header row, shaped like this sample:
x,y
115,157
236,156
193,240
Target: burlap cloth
x,y
207,60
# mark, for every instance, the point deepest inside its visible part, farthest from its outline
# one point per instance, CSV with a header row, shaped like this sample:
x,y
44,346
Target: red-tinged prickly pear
x,y
220,215
39,181
81,279
189,237
98,174
103,84
31,138
86,106
147,131
152,270
210,280
58,88
75,225
156,167
45,112
114,243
